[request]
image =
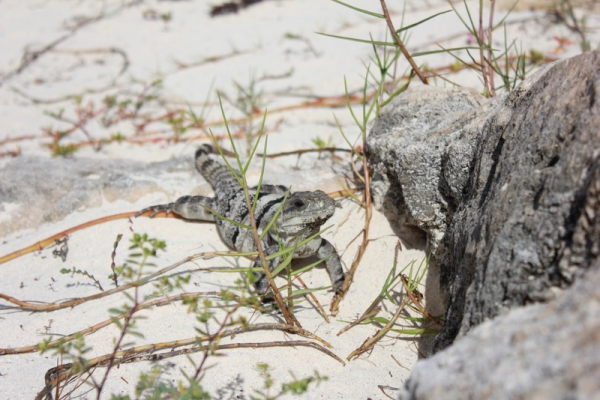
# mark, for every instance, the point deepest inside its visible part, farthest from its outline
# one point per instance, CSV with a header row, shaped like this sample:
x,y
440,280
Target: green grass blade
x,y
287,261
409,265
447,80
420,22
210,210
379,320
377,59
422,319
260,134
260,179
358,40
373,104
272,221
473,27
352,196
461,18
310,266
344,136
236,254
233,148
285,251
426,53
364,100
416,331
348,102
506,16
234,172
373,14
230,270
506,48
400,89
301,292
461,60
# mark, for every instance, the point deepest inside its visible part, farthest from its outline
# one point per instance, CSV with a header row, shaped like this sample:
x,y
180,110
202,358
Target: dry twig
x,y
398,41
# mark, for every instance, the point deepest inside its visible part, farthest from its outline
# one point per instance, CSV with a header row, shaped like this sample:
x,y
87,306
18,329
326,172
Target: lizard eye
x,y
298,203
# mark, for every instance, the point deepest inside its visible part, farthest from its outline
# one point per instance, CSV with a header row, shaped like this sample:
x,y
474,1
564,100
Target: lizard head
x,y
305,212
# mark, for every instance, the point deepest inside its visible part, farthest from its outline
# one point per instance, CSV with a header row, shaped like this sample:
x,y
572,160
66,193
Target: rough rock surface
x,y
508,193
540,351
414,135
38,190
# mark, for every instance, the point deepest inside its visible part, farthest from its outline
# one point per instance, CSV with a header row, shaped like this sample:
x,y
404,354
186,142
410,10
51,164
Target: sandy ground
x,y
79,52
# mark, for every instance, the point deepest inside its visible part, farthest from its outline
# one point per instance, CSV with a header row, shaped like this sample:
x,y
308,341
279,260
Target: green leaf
x,y
417,331
116,321
301,292
286,261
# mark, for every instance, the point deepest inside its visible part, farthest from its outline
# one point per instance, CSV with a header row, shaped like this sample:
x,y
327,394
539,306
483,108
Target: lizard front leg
x,y
262,282
325,251
189,207
333,264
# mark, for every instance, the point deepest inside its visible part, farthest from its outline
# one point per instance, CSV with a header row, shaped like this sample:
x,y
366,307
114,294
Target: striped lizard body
x,y
302,216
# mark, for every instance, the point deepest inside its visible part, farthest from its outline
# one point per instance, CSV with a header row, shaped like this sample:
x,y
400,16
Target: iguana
x,y
302,216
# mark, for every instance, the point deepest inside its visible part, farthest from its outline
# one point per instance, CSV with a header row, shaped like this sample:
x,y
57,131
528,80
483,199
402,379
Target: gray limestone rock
x,y
540,351
528,223
508,193
414,136
40,190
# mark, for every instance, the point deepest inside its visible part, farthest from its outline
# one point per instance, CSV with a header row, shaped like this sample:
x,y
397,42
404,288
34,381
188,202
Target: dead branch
x,y
398,41
372,341
417,303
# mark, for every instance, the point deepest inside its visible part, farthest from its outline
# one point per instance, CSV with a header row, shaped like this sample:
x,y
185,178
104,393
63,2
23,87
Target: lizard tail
x,y
213,171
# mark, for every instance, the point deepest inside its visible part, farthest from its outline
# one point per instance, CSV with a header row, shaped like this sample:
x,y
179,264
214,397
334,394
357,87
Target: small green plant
x,y
60,150
296,386
412,298
142,250
178,122
309,46
151,14
564,13
321,143
74,271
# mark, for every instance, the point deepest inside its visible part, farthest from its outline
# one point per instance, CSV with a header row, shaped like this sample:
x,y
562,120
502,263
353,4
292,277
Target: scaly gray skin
x,y
302,216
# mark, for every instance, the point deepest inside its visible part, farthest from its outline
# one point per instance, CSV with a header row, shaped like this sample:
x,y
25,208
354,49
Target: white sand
x,y
91,59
